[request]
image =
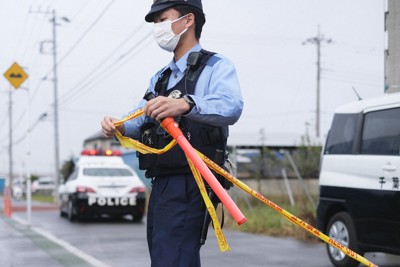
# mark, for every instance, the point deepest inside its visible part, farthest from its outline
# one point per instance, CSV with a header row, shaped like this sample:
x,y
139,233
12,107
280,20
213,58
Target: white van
x,y
359,203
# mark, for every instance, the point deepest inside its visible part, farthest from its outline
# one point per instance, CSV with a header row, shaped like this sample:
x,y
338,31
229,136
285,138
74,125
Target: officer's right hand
x,y
108,128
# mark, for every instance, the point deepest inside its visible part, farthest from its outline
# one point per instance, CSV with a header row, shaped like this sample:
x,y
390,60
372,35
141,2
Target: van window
x,y
341,135
381,133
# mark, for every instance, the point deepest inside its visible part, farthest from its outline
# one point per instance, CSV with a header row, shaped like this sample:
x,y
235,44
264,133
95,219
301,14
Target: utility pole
x,y
392,46
262,155
53,20
10,148
318,40
55,82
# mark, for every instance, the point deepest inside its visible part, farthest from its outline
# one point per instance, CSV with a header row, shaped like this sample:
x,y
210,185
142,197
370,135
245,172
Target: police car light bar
x,y
100,152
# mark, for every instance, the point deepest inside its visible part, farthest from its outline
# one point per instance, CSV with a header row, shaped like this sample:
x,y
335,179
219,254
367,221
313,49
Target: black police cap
x,y
160,5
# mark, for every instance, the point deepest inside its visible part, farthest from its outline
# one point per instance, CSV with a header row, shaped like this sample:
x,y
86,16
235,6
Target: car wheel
x,y
137,217
71,212
341,229
62,213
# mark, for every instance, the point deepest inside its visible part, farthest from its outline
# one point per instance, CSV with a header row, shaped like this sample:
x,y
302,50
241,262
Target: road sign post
x,y
16,76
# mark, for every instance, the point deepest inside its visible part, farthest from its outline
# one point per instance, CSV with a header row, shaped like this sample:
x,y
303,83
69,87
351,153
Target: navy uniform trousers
x,y
174,222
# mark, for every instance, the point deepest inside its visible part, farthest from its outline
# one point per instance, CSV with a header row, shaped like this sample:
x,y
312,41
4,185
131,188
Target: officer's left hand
x,y
162,107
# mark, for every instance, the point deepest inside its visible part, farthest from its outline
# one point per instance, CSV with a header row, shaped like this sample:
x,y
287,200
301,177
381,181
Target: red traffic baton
x,y
172,128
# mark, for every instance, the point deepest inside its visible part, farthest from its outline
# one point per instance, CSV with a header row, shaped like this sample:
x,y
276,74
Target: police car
x,y
102,184
359,202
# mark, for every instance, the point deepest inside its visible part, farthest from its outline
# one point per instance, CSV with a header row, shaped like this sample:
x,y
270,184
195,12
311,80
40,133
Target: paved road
x,y
122,243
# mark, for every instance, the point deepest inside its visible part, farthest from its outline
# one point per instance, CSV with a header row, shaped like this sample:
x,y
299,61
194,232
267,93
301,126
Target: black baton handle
x,y
214,199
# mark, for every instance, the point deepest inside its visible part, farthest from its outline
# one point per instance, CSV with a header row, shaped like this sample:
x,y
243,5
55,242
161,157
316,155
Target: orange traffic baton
x,y
173,129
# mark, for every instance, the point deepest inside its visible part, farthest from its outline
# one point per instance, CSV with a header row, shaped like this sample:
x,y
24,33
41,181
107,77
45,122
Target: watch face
x,y
175,94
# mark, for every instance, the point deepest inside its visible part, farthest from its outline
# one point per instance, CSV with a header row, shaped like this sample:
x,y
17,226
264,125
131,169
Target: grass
x,y
262,219
43,198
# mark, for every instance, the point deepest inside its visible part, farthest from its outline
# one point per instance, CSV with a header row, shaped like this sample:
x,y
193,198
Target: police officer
x,y
200,89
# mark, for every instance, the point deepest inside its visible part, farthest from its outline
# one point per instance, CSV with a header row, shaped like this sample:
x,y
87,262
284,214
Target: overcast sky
x,y
107,55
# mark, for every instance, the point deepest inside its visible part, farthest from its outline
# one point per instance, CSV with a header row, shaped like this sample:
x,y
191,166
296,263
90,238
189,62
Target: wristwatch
x,y
191,103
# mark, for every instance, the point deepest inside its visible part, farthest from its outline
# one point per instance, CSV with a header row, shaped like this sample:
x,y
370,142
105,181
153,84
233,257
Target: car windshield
x,y
107,172
46,182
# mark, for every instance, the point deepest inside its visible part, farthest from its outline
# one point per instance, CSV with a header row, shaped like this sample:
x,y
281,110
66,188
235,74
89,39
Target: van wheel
x,y
341,229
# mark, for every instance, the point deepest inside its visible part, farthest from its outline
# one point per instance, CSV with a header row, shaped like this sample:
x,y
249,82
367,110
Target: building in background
x,y
99,141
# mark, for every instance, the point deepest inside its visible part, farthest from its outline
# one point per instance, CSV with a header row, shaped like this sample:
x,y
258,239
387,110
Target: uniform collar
x,y
181,63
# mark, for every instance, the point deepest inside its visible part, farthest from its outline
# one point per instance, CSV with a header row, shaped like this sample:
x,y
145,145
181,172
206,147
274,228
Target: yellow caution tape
x,y
215,167
223,245
131,116
136,145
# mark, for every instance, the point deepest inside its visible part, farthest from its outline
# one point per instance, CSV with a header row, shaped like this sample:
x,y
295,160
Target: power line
x,y
24,53
77,89
353,75
101,76
85,33
88,112
36,90
123,56
68,96
21,34
73,47
31,32
80,10
339,79
41,118
3,123
122,59
34,56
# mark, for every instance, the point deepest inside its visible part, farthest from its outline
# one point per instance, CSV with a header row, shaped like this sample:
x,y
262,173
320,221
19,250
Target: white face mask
x,y
165,36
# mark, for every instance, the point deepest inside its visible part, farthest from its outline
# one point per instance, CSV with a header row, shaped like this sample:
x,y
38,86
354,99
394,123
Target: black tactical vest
x,y
209,140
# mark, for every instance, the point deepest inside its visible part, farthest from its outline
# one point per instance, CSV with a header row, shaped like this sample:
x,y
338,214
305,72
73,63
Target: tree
x,y
307,158
67,168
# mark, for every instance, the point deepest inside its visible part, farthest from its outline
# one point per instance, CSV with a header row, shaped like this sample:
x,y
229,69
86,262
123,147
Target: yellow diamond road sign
x,y
15,75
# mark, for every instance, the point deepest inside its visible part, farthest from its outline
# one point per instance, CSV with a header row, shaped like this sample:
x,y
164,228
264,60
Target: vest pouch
x,y
213,145
173,161
210,141
230,168
148,138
